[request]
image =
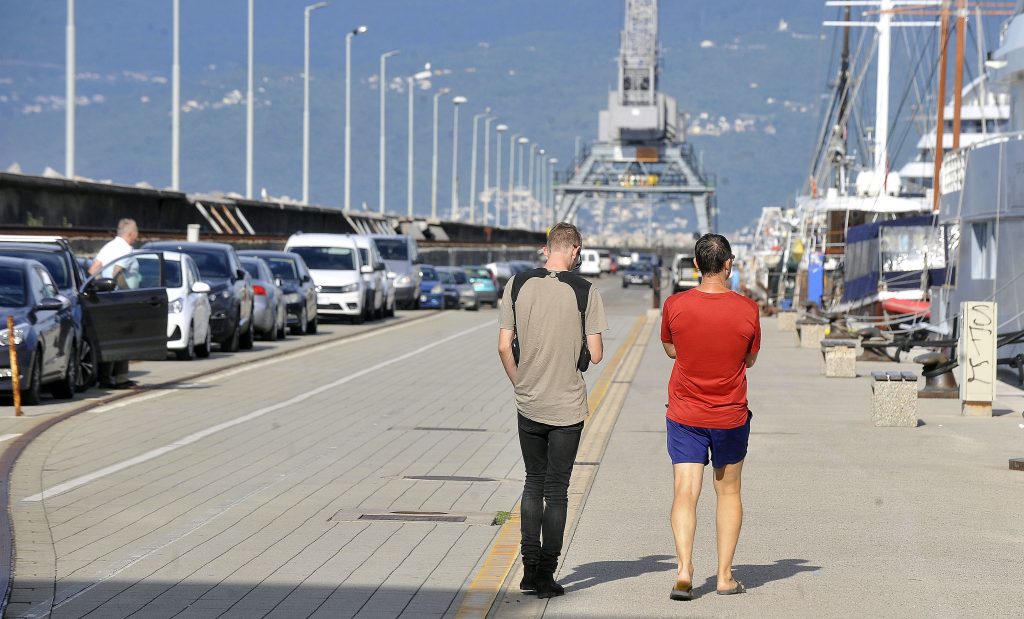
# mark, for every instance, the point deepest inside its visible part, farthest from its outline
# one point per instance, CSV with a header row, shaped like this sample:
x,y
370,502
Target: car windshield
x,y
428,274
211,263
392,249
445,277
252,267
327,258
283,268
12,287
478,273
640,266
460,277
54,263
172,273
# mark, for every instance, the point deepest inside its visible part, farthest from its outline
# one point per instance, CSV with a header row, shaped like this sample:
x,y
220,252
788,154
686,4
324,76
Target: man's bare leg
x,y
729,519
688,477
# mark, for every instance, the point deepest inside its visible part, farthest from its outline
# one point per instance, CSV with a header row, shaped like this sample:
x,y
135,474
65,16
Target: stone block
x,y
839,358
894,399
787,321
811,335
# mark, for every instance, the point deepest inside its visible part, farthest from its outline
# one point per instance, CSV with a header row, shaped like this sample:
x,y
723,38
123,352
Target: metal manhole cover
x,y
415,517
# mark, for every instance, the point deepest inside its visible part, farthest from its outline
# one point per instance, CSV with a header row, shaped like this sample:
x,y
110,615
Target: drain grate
x,y
442,429
586,463
447,478
415,517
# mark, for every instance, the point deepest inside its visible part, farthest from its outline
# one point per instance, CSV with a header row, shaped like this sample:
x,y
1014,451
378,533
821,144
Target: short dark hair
x,y
712,252
564,236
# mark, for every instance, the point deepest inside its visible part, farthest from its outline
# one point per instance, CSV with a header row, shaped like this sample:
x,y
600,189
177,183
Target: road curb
x,y
14,449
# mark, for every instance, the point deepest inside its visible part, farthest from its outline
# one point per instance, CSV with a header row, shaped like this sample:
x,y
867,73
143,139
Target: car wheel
x,y
249,336
359,319
32,395
86,365
65,389
476,306
203,350
625,284
302,327
189,352
391,310
231,344
313,325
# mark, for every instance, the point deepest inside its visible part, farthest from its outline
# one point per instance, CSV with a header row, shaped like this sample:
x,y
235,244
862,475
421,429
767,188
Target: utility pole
x,y
249,114
433,165
502,128
175,98
472,166
69,93
487,166
305,101
383,123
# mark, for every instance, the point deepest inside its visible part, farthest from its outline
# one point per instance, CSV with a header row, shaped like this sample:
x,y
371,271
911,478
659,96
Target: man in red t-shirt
x,y
714,335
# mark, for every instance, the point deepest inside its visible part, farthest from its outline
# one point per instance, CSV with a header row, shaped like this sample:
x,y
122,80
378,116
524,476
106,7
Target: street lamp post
x,y
69,93
519,179
551,190
249,113
511,177
348,113
411,83
175,97
472,166
305,102
531,162
383,122
497,171
456,102
487,166
433,163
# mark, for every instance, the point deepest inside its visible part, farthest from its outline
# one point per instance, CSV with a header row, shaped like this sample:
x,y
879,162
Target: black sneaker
x,y
529,581
547,587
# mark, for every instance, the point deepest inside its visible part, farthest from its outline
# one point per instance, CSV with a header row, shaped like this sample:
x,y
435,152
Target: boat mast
x,y
882,90
958,86
940,123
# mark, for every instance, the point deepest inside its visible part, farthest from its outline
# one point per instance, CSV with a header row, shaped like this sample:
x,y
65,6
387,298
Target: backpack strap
x,y
517,284
581,287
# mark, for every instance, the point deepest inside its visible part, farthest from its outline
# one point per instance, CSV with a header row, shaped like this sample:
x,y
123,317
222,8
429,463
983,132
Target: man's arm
x,y
595,343
751,359
95,267
670,349
505,353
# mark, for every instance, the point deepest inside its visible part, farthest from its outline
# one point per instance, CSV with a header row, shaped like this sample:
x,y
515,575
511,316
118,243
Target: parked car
x,y
44,332
502,271
337,271
684,274
484,284
624,260
297,284
590,262
432,291
458,286
188,308
231,295
377,279
400,254
269,314
605,259
638,273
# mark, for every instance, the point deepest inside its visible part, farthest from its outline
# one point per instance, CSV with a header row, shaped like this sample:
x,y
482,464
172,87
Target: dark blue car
x,y
44,332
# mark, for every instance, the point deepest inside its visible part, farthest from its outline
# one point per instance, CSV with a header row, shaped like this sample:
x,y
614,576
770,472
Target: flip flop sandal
x,y
739,588
681,592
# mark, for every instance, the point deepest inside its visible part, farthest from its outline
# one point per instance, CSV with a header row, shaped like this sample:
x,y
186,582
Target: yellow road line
x,y
483,590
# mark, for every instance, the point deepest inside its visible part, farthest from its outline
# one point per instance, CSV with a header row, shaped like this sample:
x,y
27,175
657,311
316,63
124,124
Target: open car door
x,y
125,308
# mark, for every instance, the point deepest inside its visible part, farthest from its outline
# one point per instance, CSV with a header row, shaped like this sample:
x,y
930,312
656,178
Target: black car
x,y
45,334
141,337
231,296
638,273
298,286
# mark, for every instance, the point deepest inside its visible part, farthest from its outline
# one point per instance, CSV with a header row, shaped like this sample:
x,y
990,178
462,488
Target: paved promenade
x,y
841,518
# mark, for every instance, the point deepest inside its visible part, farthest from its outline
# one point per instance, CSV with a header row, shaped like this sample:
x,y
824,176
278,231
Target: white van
x,y
591,262
337,270
382,287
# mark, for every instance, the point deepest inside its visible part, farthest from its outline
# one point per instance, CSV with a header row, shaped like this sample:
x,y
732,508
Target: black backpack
x,y
580,287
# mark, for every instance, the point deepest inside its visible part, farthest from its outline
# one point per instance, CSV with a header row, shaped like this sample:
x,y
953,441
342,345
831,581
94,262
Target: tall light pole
x,y
305,103
433,163
383,140
551,190
519,180
411,83
249,112
472,166
348,113
497,171
511,177
456,102
69,93
487,166
175,98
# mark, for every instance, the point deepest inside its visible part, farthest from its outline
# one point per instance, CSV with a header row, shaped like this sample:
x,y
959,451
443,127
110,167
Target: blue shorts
x,y
690,444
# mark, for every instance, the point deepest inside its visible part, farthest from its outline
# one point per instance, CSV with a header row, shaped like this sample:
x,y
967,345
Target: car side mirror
x,y
278,282
379,267
366,269
103,284
240,274
49,304
201,287
306,279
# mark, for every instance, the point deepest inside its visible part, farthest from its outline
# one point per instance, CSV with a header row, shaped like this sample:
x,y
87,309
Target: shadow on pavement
x,y
600,572
753,576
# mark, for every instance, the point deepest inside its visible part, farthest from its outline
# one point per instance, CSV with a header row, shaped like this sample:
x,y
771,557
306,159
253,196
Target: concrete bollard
x,y
811,334
839,358
787,321
894,399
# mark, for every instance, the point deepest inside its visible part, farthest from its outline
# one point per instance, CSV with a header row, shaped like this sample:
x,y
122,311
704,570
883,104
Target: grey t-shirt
x,y
549,389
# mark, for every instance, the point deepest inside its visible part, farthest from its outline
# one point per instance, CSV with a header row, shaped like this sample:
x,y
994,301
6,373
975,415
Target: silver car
x,y
454,278
269,311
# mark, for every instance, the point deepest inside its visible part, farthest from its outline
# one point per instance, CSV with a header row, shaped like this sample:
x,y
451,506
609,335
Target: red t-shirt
x,y
712,333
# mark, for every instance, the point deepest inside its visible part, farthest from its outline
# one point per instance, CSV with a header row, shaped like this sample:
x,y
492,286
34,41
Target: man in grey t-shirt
x,y
551,395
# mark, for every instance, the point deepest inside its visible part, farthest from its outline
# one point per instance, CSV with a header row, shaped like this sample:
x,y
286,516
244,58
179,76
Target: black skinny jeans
x,y
549,453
